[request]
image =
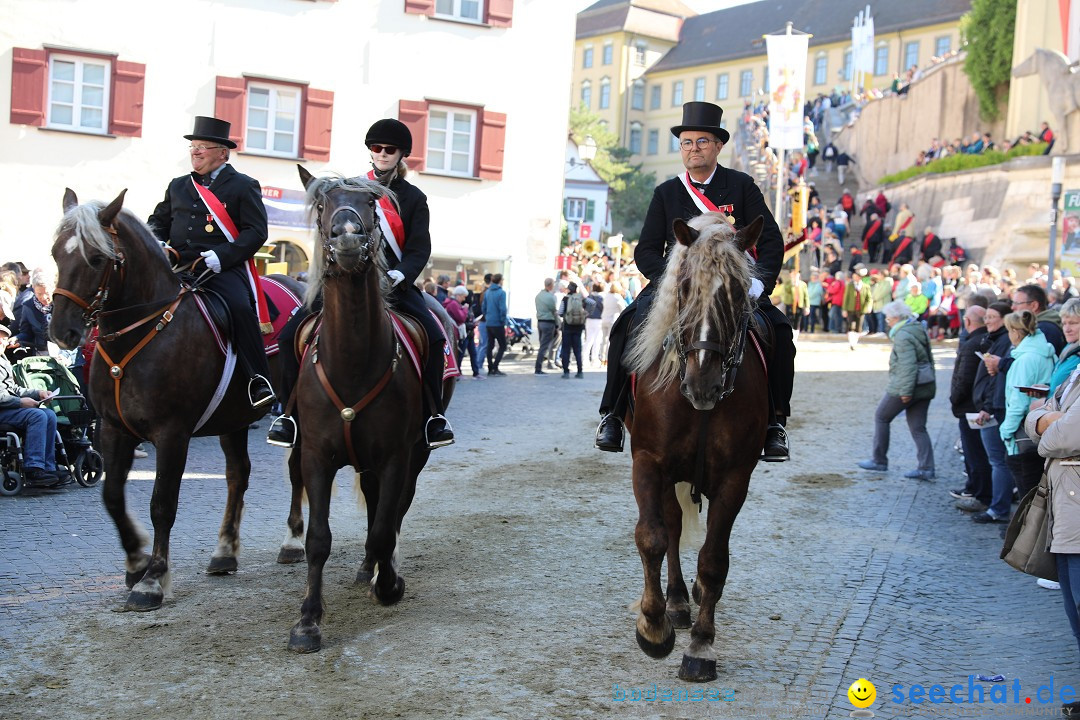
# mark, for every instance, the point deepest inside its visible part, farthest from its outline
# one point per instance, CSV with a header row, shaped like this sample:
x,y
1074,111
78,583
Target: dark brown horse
x,y
700,417
358,396
164,371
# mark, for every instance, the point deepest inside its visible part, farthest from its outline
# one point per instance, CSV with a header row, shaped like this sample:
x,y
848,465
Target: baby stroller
x,y
519,330
74,425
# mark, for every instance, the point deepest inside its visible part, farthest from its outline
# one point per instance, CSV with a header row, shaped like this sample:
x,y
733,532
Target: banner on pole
x,y
787,81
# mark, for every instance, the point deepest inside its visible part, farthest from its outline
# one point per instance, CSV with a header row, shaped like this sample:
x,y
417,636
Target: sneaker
x,y
40,477
496,373
985,517
871,465
970,505
926,475
1048,584
960,494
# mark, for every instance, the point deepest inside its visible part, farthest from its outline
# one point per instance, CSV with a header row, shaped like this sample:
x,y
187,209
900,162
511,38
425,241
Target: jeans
x,y
571,343
836,319
1026,469
496,335
1001,477
813,320
469,343
1068,566
915,411
39,435
481,346
547,334
976,463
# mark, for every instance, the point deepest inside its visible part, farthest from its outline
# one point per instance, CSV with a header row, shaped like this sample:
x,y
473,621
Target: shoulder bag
x,y
1026,539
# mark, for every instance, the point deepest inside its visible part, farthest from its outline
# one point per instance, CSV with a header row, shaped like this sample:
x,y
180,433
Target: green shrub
x,y
953,163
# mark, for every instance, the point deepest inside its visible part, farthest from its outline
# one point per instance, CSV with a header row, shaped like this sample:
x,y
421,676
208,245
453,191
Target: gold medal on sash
x,y
209,227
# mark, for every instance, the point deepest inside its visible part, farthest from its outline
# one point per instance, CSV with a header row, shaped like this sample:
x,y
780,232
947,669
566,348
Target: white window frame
x,y
76,106
271,112
722,86
641,50
574,205
847,70
881,64
446,169
746,83
637,95
637,133
608,55
699,89
673,144
821,69
677,93
604,101
456,11
656,96
586,94
587,57
653,143
907,53
947,40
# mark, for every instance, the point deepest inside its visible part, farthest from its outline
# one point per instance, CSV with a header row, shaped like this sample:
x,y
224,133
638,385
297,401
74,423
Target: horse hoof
x,y
131,579
221,566
680,619
364,577
290,556
695,669
140,601
305,638
656,650
393,596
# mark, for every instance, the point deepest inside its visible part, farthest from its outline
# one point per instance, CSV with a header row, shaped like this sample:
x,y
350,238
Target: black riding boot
x,y
284,431
437,430
781,380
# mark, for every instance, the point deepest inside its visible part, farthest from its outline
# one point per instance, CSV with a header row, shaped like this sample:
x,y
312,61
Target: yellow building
x,y
720,57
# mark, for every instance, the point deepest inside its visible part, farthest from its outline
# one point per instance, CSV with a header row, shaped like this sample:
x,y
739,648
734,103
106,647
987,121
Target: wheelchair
x,y
75,423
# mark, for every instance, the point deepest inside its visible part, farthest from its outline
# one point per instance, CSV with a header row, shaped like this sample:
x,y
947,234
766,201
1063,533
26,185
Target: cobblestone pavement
x,y
836,574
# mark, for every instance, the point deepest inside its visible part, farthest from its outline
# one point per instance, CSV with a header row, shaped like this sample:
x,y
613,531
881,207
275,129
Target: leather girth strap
x,y
116,369
348,414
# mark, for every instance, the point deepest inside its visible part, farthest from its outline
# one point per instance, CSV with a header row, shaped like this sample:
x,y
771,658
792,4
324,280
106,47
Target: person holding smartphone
x,y
21,408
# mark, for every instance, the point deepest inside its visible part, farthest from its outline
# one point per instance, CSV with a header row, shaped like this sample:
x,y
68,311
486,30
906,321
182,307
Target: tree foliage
x,y
631,189
988,30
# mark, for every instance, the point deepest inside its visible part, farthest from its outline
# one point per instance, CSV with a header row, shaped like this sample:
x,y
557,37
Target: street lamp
x,y
1057,177
586,153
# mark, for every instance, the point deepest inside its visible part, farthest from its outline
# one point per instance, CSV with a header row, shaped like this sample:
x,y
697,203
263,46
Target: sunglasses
x,y
388,149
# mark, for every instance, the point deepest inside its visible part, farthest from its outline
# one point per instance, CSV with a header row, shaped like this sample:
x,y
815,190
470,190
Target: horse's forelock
x,y
83,229
687,295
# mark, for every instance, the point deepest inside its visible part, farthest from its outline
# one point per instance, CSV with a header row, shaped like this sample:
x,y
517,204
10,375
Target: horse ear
x,y
70,199
305,176
109,212
683,232
748,236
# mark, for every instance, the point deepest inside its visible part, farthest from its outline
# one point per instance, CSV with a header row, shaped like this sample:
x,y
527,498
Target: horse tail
x,y
358,491
693,529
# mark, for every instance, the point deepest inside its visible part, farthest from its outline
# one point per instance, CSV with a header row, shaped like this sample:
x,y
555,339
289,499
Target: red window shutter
x,y
128,86
414,114
229,105
318,117
492,144
420,7
29,74
500,12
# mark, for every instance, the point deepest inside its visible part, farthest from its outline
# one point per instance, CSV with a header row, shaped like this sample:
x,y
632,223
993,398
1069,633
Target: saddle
x,y
417,338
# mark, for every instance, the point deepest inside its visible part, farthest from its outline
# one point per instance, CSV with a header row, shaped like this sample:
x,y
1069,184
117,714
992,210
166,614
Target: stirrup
x,y
438,443
617,423
262,401
286,428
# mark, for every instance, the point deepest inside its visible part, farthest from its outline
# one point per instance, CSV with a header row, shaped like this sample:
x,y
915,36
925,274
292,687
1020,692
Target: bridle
x,y
731,360
366,249
93,309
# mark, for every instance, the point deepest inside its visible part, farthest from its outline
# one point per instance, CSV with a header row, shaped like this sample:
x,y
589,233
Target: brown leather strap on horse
x,y
348,414
116,369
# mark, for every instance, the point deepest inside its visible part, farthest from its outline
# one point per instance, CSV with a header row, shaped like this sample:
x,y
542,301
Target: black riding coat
x,y
413,207
728,187
180,219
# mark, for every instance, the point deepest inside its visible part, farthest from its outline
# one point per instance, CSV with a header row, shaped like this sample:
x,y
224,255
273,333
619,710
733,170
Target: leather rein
x,y
731,361
93,312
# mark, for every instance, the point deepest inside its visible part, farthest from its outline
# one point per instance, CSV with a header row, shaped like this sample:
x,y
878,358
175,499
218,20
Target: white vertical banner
x,y
787,83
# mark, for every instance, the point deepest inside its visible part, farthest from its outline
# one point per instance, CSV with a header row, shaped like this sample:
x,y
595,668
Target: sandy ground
x,y
519,564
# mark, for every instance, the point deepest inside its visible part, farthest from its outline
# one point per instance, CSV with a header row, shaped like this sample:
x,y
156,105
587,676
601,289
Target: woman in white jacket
x,y
614,304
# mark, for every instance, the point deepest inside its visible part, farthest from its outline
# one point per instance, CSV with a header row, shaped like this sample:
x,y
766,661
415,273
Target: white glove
x,y
396,276
756,288
212,261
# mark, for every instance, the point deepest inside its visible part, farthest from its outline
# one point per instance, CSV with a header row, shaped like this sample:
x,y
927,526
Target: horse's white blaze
x,y
72,244
704,338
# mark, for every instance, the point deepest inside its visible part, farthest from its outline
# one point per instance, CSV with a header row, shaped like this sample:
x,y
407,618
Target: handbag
x,y
1024,443
1026,539
925,374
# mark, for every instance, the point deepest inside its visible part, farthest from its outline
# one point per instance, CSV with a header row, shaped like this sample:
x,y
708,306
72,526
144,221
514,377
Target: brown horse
x,y
159,385
701,418
358,396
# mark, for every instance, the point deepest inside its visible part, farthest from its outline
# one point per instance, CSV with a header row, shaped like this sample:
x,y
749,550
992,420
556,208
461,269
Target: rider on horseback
x,y
407,248
216,215
705,185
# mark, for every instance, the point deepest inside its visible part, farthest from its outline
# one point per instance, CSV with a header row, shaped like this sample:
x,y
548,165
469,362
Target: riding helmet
x,y
390,132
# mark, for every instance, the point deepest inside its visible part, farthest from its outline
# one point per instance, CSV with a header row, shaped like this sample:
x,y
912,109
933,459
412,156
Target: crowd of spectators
x,y
981,142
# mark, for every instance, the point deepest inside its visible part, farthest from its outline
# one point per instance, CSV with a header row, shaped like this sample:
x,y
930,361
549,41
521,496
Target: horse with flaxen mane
x,y
701,419
156,375
358,396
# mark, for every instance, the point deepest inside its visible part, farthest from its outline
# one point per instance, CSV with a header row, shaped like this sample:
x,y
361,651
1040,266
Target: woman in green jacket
x,y
911,349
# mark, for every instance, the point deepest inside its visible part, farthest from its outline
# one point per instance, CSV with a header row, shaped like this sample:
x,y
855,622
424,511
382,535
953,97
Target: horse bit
x,y
331,253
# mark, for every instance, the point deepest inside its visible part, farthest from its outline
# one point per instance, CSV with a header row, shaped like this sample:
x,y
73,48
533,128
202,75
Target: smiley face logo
x,y
862,693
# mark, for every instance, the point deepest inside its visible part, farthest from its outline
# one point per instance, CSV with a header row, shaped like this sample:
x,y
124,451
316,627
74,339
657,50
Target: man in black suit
x,y
733,193
221,236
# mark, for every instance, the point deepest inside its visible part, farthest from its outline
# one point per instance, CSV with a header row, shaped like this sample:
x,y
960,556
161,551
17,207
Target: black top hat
x,y
212,129
704,117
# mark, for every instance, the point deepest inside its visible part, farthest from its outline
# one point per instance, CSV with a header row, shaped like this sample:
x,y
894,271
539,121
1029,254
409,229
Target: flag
x,y
787,83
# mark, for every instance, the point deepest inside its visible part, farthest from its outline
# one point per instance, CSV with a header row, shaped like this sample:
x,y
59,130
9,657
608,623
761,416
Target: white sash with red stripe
x,y
706,205
228,227
393,228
